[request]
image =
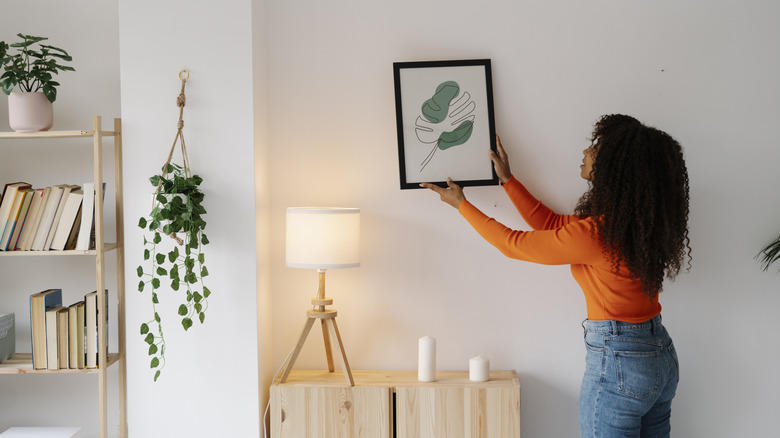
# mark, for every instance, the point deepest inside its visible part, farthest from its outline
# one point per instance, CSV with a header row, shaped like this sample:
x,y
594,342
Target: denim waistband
x,y
616,327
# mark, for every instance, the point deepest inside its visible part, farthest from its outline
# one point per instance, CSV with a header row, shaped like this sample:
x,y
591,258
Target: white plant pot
x,y
30,112
181,235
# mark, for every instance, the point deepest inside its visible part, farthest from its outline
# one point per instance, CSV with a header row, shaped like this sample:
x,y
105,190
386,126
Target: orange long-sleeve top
x,y
566,240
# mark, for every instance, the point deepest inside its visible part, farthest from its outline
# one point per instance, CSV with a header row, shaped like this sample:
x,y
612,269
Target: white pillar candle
x,y
426,359
479,369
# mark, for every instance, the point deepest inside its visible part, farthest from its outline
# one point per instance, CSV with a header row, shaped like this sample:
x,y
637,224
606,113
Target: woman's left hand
x,y
501,162
452,195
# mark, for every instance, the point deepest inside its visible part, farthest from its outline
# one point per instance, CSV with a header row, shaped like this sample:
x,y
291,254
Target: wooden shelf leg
x,y
301,341
328,352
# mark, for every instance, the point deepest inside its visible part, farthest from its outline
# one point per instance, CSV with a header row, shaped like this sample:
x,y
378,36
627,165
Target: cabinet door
x,y
458,412
330,412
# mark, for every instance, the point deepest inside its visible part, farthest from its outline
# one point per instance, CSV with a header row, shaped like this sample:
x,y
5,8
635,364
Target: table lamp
x,y
322,239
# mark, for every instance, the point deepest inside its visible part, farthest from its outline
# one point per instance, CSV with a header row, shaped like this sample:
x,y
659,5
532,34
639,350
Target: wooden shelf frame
x,y
57,134
22,363
108,246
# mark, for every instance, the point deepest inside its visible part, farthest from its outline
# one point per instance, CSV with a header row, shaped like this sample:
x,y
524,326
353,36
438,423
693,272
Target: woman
x,y
629,232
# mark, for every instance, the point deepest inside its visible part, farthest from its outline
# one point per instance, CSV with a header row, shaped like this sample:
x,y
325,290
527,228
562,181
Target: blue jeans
x,y
630,379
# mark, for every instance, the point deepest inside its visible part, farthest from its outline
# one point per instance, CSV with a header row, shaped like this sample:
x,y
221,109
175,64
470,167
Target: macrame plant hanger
x,y
181,100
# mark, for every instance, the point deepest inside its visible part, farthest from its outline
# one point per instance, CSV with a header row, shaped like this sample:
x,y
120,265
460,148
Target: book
x,y
10,222
70,244
21,220
87,217
33,218
6,200
52,339
92,317
25,218
2,195
66,189
16,219
76,329
67,219
47,216
6,206
62,338
39,303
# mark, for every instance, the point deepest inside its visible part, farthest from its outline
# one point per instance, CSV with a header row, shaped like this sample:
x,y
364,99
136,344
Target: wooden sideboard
x,y
387,404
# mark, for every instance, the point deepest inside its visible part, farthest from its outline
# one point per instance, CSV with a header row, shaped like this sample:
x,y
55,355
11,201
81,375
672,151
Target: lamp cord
x,y
268,405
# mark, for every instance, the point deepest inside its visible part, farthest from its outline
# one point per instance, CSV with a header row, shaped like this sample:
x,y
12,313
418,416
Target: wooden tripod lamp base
x,y
330,331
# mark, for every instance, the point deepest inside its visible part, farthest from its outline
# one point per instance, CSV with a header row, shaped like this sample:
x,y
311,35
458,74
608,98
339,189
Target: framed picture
x,y
444,116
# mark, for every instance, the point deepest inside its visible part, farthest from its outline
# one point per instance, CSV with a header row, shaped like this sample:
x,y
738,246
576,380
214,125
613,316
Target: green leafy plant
x,y
33,67
770,254
176,210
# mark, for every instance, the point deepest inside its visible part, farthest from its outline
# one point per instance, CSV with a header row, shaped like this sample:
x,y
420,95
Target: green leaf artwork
x,y
446,119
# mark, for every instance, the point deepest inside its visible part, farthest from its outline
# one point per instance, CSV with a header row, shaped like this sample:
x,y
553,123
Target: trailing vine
x,y
176,210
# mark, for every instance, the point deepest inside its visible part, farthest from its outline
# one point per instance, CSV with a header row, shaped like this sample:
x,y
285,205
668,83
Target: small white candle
x,y
479,369
426,359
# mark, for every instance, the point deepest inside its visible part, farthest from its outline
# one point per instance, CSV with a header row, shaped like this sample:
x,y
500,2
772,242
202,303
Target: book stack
x,y
65,337
60,217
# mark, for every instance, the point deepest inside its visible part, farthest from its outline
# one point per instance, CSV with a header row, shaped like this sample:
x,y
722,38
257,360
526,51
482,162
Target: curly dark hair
x,y
638,198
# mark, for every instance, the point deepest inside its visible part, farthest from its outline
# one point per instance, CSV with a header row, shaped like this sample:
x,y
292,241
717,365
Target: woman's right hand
x,y
501,162
452,195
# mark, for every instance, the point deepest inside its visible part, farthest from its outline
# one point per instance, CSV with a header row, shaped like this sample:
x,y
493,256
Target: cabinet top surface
x,y
396,379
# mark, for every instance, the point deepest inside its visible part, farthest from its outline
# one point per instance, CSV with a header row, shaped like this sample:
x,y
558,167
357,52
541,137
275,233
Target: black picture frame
x,y
437,141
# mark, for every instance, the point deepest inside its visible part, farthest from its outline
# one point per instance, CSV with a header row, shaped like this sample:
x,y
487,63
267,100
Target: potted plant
x,y
32,70
770,254
176,212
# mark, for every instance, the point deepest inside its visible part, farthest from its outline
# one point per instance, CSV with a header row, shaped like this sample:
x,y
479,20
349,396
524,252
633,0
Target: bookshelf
x,y
21,363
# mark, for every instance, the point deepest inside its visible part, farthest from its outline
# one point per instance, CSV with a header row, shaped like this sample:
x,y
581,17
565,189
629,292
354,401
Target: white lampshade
x,y
323,238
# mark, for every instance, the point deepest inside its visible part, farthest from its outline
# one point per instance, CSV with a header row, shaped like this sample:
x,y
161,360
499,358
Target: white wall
x,y
214,368
325,135
706,72
262,201
93,89
209,386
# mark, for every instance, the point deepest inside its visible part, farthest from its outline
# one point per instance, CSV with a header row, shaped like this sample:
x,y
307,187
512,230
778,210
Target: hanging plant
x,y
770,254
177,212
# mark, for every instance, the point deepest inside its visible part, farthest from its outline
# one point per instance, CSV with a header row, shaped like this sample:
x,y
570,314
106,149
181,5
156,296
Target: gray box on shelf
x,y
7,336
